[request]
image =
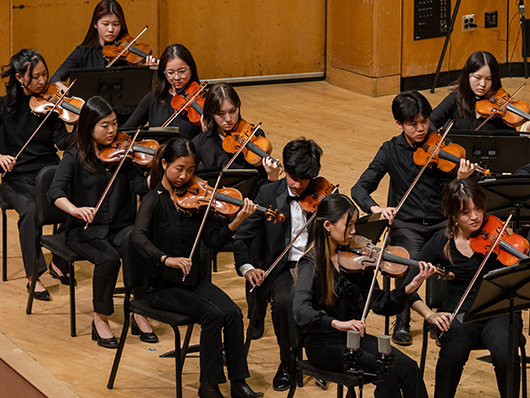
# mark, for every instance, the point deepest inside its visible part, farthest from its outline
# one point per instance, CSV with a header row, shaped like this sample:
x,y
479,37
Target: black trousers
x,y
412,237
19,193
404,379
458,342
215,311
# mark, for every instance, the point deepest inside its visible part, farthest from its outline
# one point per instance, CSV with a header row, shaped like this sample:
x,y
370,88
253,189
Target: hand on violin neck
x,y
425,270
386,212
465,169
353,324
248,208
150,60
62,88
272,169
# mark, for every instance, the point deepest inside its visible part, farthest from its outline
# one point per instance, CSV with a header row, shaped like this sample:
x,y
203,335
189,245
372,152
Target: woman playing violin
x,y
221,117
176,71
328,302
165,234
27,75
464,204
77,187
480,77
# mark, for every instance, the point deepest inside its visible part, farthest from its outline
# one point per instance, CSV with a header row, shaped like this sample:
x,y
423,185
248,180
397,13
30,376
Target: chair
x,y
5,206
48,214
133,279
435,291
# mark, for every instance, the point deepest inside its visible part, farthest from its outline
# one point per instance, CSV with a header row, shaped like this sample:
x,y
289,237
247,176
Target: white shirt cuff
x,y
245,268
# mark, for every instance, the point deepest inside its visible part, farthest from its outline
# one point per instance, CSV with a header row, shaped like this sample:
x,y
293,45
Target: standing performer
x,y
79,183
480,78
164,233
464,204
328,302
421,215
176,71
28,75
301,162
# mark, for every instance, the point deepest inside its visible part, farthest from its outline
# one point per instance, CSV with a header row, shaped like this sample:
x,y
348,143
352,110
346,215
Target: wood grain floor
x,y
350,128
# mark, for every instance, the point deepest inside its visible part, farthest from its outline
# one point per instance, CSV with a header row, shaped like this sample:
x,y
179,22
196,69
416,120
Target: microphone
x,y
384,357
353,350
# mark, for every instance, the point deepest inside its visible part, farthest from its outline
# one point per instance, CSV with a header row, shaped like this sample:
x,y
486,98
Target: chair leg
x,y
34,277
73,332
121,345
523,371
300,376
294,374
424,346
340,391
186,343
4,245
178,362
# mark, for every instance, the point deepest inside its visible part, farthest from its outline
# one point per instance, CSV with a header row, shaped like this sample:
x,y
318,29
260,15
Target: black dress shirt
x,y
160,229
82,188
396,157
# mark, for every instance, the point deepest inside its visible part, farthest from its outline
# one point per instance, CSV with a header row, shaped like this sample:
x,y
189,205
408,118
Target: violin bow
x,y
501,108
126,48
479,269
212,198
291,243
43,121
118,167
183,106
446,129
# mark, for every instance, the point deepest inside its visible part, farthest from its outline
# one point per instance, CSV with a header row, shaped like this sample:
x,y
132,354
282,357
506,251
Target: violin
x,y
123,49
141,153
193,109
317,190
447,158
258,148
227,201
511,249
513,113
363,254
68,108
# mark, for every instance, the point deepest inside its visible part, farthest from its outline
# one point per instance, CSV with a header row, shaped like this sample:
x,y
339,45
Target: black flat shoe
x,y
210,391
107,343
240,389
282,379
149,337
65,280
43,296
401,334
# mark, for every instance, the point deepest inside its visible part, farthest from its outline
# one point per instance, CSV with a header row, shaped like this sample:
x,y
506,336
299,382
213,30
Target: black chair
x,y
435,291
48,214
5,206
133,279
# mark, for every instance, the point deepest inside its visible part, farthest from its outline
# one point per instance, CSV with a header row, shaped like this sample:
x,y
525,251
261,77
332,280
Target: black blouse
x,y
161,229
82,188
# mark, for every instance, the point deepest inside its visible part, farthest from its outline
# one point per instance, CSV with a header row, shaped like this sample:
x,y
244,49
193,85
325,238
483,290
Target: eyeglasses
x,y
171,74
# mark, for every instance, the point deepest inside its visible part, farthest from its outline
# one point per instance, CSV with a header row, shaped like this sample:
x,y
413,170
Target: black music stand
x,y
505,194
371,227
502,291
244,180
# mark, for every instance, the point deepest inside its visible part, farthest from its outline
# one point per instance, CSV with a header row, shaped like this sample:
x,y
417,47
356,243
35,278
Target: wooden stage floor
x,y
350,128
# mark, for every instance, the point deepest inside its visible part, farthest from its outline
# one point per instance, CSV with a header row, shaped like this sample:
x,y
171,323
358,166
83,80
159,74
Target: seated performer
x,y
329,302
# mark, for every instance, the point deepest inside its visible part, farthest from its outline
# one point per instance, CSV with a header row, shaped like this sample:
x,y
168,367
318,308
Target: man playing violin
x,y
301,159
421,214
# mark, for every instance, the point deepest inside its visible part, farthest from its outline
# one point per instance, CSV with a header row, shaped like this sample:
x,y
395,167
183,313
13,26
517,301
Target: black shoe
x,y
65,280
240,389
147,337
282,379
44,295
107,343
259,329
323,384
401,334
209,391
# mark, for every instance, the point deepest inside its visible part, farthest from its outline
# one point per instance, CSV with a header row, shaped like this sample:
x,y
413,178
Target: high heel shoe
x,y
209,391
43,296
65,280
107,343
147,337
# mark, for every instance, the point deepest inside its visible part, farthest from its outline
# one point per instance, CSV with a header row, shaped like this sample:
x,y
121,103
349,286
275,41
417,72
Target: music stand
x,y
371,227
502,291
508,193
244,180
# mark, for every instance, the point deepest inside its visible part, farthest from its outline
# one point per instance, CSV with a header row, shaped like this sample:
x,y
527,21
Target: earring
x,y
327,231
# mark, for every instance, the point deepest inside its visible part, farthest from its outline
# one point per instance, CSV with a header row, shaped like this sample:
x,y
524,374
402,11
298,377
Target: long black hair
x,y
169,152
95,109
21,63
104,7
332,209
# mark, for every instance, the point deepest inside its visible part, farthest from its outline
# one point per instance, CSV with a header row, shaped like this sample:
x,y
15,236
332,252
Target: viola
x,y
513,113
258,148
141,152
362,255
227,201
124,49
68,108
317,190
511,249
195,107
447,158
